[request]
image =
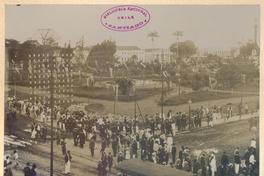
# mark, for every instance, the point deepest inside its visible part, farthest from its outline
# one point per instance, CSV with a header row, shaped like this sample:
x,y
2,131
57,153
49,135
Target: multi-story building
x,y
157,54
125,53
225,54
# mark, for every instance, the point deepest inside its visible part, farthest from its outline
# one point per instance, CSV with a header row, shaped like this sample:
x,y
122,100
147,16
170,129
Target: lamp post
x,y
189,102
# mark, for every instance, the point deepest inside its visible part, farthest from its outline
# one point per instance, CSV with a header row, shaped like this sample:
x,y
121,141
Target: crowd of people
x,y
149,138
13,162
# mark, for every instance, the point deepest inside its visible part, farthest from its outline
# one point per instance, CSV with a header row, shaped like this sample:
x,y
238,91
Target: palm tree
x,y
152,36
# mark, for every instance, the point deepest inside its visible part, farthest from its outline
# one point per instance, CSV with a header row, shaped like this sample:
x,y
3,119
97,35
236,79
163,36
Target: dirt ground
x,y
224,137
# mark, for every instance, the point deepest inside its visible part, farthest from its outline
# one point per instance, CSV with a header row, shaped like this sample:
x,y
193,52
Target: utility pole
x,y
52,109
255,31
135,113
44,33
114,98
243,79
189,102
178,34
162,84
179,79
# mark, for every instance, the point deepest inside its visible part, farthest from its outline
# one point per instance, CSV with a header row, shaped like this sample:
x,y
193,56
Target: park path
x,y
149,105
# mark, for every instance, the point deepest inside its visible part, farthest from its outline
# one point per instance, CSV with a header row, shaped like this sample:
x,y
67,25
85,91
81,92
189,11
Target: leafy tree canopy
x,y
186,48
102,56
247,49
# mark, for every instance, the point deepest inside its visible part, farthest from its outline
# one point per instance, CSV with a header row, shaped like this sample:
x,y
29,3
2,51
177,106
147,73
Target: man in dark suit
x,y
26,170
173,152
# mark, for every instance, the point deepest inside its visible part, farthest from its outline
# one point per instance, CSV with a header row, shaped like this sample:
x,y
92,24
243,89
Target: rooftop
x,y
127,48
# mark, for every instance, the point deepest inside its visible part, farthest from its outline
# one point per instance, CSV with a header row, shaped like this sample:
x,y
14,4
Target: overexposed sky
x,y
210,27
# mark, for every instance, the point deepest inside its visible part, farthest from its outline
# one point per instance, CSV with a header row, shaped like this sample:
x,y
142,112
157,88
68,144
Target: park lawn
x,y
108,94
197,97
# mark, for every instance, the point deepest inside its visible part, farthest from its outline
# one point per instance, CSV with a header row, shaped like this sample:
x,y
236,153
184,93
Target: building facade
x,y
125,53
158,54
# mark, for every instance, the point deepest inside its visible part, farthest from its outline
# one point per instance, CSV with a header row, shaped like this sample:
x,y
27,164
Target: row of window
x,y
47,55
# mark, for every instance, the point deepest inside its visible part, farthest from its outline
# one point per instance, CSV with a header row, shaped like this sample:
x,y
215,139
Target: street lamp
x,y
189,102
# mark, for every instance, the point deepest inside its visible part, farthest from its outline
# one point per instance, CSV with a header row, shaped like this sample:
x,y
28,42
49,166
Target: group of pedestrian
x,y
150,138
13,163
104,166
38,132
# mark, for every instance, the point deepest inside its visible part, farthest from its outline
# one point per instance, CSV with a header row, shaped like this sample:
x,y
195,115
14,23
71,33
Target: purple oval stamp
x,y
125,18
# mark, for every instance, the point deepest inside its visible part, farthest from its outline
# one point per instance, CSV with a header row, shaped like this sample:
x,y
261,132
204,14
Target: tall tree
x,y
12,47
228,75
185,49
247,49
101,57
152,36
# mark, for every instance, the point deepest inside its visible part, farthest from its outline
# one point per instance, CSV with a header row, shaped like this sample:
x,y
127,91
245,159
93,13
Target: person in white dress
x,y
127,153
67,160
33,132
16,159
43,117
169,143
213,164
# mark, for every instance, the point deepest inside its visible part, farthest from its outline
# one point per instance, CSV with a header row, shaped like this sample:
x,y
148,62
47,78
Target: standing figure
x,y
92,147
213,165
237,161
16,159
110,161
173,152
63,147
33,171
67,160
26,170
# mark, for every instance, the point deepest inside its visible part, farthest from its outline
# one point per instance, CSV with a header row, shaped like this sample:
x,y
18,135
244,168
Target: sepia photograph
x,y
131,90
